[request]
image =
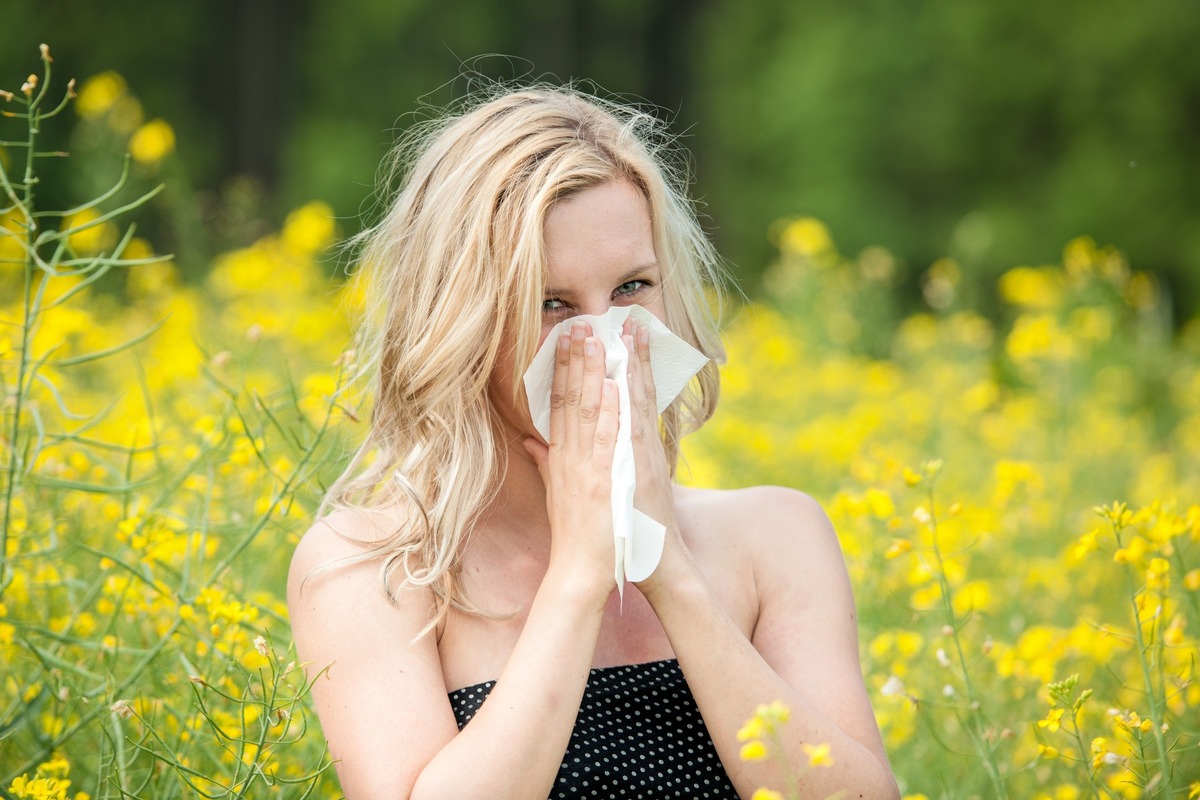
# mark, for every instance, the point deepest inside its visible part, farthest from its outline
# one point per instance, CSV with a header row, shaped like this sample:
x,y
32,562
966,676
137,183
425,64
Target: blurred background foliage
x,y
990,131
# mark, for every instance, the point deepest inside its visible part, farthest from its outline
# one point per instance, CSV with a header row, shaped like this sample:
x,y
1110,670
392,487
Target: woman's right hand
x,y
576,467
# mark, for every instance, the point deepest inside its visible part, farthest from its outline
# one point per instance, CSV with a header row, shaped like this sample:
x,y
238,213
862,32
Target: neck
x,y
519,509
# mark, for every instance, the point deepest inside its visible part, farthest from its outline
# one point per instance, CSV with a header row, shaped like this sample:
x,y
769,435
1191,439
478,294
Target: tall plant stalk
x,y
46,254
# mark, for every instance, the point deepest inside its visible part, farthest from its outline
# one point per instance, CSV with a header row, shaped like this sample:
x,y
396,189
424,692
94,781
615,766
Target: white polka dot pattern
x,y
638,734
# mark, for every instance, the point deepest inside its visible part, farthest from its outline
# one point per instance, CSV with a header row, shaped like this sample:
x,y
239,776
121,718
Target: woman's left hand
x,y
654,495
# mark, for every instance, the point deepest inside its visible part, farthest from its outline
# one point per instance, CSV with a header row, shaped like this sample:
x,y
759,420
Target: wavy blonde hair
x,y
455,267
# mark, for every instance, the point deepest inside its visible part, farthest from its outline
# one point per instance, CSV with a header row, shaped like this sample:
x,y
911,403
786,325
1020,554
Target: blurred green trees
x,y
992,131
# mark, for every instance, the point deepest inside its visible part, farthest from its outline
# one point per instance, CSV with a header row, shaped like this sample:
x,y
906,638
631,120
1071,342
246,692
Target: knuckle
x,y
557,400
589,412
573,397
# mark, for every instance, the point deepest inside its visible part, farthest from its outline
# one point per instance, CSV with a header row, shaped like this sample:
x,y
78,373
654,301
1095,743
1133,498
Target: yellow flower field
x,y
1018,498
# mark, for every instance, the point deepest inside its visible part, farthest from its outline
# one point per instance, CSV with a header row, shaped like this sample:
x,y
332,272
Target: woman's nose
x,y
596,308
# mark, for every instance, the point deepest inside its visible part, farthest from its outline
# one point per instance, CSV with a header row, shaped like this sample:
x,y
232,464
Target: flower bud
x,y
45,48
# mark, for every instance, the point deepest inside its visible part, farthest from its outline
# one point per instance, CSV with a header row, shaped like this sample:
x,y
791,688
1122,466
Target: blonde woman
x,y
459,586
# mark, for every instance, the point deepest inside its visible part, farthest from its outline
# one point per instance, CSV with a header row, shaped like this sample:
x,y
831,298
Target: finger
x,y
637,406
643,347
593,381
558,389
606,426
539,452
574,391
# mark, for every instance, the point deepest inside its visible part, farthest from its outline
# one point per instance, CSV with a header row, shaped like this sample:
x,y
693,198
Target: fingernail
x,y
589,346
577,330
644,335
608,386
564,342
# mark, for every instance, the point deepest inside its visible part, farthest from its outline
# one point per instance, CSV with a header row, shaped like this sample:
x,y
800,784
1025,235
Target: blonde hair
x,y
455,267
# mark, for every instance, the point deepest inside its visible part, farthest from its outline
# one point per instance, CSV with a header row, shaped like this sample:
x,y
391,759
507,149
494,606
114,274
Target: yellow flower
x,y
880,503
806,237
1047,752
98,237
774,712
1192,580
1158,575
98,94
1039,336
309,229
818,755
1031,288
771,794
1053,720
754,751
753,729
152,142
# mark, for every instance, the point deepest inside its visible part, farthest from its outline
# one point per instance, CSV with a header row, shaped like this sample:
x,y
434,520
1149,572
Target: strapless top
x,y
639,733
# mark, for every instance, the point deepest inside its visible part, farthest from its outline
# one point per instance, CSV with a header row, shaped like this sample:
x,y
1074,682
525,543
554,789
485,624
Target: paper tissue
x,y
639,539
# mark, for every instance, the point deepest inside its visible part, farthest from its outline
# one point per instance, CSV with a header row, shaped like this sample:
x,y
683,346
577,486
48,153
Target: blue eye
x,y
552,304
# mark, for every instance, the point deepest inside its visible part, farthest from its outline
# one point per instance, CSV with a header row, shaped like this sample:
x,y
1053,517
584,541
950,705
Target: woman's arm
x,y
383,703
803,651
804,648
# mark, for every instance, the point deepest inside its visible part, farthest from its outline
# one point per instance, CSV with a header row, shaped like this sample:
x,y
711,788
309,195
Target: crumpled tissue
x,y
638,537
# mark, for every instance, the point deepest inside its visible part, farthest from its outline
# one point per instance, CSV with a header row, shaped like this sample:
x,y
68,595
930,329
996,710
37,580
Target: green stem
x,y
1156,714
975,708
15,465
1084,755
99,708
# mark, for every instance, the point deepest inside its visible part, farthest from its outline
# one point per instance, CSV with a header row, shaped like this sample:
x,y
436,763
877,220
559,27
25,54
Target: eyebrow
x,y
628,276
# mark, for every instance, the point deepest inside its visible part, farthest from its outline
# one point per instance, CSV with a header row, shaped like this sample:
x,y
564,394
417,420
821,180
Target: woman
x,y
465,558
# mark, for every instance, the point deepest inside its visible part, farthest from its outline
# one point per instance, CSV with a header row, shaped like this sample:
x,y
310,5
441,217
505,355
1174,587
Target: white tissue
x,y
639,538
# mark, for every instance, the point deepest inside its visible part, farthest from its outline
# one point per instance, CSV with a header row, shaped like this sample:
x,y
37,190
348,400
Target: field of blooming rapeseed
x,y
1018,498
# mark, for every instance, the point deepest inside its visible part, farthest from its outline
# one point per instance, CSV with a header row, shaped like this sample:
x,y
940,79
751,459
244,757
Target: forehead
x,y
603,229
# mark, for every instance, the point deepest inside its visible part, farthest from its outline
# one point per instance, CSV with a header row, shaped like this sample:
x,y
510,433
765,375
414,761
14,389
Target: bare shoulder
x,y
767,519
343,534
372,670
336,567
806,627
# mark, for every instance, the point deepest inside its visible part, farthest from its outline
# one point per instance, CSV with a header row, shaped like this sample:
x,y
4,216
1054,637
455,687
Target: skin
x,y
751,595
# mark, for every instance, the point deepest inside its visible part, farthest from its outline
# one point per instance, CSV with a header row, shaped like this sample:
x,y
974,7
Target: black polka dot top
x,y
638,734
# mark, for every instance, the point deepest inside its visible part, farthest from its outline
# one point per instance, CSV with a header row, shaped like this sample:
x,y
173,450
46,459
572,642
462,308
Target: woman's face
x,y
600,253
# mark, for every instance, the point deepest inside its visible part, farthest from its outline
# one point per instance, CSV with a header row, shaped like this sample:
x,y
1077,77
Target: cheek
x,y
657,306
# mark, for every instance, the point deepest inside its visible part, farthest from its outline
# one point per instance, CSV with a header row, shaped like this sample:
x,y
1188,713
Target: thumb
x,y
540,454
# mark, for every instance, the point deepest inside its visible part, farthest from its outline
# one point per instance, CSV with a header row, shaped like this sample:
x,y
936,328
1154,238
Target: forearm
x,y
513,747
729,679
